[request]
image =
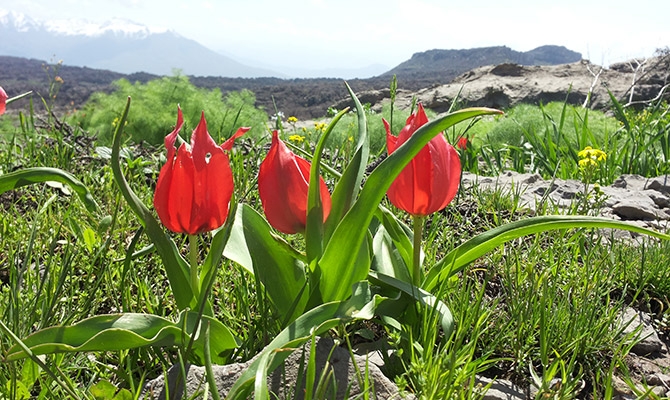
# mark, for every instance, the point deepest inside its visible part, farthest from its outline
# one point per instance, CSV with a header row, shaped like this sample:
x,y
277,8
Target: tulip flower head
x,y
3,100
430,181
462,143
196,183
283,185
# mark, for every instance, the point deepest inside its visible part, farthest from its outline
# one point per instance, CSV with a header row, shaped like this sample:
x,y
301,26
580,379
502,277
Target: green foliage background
x,y
154,111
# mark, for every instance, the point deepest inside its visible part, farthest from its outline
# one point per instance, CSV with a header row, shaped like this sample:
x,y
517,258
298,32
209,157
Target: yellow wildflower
x,y
585,162
591,154
296,138
319,126
292,119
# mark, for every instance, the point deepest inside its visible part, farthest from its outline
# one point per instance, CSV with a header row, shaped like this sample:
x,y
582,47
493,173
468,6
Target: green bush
x,y
154,110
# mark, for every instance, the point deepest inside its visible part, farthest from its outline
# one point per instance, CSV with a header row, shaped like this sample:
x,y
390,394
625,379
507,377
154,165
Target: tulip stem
x,y
418,231
193,257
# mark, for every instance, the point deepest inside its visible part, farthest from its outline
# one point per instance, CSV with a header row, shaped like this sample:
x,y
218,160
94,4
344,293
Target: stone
x,y
499,389
648,342
632,198
283,383
661,183
659,379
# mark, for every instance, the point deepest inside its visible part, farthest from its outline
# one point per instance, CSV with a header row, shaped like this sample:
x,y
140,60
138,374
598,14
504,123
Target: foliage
x,y
66,263
156,101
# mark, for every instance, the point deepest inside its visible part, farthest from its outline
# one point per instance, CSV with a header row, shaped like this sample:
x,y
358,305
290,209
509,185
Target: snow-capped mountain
x,y
117,45
117,26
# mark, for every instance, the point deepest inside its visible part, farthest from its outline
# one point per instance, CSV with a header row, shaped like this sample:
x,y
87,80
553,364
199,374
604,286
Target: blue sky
x,y
318,34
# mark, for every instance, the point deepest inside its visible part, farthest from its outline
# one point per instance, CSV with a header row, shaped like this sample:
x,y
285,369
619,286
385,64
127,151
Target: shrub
x,y
155,105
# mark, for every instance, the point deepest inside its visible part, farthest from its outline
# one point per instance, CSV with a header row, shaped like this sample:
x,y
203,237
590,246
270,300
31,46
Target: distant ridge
x,y
435,66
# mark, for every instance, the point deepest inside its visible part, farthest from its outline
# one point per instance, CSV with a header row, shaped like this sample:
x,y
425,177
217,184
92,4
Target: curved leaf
x,y
176,267
314,228
28,176
338,272
347,187
481,244
125,331
279,268
361,305
420,295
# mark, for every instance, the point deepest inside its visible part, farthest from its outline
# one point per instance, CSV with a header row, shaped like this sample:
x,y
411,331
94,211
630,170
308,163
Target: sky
x,y
321,34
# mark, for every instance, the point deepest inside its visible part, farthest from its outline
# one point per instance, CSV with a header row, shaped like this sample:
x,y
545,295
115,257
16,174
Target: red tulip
x,y
462,143
283,184
3,99
430,181
195,186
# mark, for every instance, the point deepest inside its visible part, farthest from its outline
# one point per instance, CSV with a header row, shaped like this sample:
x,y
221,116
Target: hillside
x,y
304,98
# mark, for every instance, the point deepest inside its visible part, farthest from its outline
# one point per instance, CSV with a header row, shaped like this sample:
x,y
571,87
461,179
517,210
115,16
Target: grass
x,y
540,308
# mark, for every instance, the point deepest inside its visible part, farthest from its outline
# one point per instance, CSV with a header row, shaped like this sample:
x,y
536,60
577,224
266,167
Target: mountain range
x,y
126,47
117,45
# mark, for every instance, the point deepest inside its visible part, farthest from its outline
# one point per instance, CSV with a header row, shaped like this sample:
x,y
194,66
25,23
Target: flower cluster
x,y
590,157
195,185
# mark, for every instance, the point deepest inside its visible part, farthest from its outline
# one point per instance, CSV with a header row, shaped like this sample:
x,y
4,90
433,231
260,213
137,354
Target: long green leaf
x,y
361,305
419,295
337,264
114,332
176,267
481,244
314,228
29,176
347,187
280,269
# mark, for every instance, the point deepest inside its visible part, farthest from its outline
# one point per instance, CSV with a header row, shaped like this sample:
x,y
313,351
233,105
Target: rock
x,y
638,207
631,321
661,183
505,85
633,198
284,381
631,182
500,389
659,379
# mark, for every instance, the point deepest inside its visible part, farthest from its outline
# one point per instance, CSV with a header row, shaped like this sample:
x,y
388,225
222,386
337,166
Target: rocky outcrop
x,y
580,83
642,201
503,86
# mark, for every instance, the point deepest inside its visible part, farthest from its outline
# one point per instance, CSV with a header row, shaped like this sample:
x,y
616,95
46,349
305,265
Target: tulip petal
x,y
283,186
3,100
430,180
228,144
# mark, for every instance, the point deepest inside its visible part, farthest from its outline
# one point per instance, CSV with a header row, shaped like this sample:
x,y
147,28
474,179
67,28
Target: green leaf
x,y
314,228
386,258
420,295
103,390
398,239
348,185
361,305
338,272
481,244
114,332
176,267
29,176
90,239
278,267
